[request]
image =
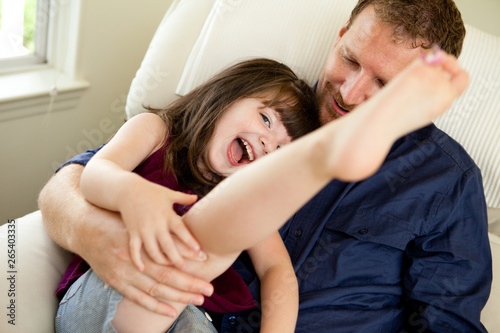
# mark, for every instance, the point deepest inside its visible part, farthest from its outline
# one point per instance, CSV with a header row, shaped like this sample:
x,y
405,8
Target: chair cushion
x,y
155,81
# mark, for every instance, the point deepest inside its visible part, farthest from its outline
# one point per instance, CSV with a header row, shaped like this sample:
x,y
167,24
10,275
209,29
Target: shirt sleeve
x,y
450,274
81,159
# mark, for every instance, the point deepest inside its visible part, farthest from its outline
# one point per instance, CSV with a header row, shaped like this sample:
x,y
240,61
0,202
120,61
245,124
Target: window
x,y
24,26
43,76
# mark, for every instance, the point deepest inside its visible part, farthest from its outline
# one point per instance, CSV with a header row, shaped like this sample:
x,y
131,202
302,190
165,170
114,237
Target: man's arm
x,y
449,280
99,237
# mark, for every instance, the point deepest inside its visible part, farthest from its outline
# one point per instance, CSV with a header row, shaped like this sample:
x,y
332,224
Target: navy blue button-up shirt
x,y
406,250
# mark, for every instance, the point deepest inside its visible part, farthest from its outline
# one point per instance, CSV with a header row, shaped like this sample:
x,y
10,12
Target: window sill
x,y
30,93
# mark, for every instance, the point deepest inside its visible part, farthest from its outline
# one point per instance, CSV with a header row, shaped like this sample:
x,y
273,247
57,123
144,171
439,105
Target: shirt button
x,y
363,231
298,233
232,320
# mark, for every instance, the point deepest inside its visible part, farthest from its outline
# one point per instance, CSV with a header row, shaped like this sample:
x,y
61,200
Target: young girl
x,y
242,114
250,205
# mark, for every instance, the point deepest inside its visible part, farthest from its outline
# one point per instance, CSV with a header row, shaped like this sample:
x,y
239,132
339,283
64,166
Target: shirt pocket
x,y
368,224
358,247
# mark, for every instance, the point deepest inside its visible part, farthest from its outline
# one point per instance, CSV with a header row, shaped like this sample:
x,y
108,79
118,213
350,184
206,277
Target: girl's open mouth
x,y
240,152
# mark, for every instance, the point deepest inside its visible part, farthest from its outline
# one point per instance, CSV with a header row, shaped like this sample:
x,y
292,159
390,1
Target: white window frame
x,y
54,85
41,38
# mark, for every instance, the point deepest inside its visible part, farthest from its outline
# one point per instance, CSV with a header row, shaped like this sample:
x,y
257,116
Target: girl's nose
x,y
268,144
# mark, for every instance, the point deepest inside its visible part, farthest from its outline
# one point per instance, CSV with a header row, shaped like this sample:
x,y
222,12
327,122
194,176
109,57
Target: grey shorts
x,y
89,306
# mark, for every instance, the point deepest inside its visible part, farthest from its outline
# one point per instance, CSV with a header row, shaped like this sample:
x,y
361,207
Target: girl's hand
x,y
152,222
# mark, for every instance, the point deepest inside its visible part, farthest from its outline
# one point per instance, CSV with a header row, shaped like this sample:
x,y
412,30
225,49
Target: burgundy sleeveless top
x,y
231,294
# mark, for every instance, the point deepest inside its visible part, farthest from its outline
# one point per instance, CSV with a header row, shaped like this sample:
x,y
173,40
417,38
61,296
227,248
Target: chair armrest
x,y
27,288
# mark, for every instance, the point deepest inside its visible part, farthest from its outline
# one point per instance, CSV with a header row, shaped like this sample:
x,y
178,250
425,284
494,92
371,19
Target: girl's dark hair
x,y
192,118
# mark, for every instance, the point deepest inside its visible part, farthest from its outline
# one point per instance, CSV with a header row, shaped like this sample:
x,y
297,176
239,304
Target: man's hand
x,y
146,287
99,236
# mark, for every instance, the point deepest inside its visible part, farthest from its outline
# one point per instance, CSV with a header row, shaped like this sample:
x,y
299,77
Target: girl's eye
x,y
266,120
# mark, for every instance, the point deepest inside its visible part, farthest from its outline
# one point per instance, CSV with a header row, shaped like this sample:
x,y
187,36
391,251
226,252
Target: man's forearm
x,y
100,238
66,214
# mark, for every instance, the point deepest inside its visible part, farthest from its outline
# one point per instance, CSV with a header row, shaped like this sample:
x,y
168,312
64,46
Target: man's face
x,y
363,60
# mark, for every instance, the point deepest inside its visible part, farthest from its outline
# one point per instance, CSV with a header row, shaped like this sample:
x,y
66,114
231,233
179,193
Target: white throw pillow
x,y
299,34
474,119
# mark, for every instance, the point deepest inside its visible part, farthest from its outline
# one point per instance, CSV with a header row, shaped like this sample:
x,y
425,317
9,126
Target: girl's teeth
x,y
249,150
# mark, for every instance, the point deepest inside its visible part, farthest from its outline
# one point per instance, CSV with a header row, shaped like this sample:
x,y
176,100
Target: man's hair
x,y
422,22
192,119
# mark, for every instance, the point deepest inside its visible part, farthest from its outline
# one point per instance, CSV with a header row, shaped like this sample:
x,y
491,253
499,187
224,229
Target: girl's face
x,y
247,131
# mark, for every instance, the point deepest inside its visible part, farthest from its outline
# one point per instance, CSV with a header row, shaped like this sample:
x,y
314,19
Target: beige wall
x,y
483,14
114,36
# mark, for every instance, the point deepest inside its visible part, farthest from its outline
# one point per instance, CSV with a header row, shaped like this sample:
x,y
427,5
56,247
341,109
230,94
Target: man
x,y
405,250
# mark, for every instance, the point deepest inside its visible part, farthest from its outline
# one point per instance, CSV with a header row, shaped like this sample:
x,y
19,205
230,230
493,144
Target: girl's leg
x,y
253,203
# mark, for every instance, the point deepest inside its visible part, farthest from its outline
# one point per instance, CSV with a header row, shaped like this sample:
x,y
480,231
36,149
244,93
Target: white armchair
x,y
188,47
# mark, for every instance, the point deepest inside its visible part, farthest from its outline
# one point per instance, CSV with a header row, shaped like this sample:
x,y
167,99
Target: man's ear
x,y
342,31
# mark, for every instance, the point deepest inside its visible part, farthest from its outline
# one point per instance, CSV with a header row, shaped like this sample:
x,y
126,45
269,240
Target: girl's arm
x,y
279,289
146,208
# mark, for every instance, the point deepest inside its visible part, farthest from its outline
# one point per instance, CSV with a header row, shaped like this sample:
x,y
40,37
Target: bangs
x,y
297,110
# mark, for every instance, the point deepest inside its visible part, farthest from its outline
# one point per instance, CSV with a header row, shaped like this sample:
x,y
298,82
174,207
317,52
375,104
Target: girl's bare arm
x,y
146,207
279,291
